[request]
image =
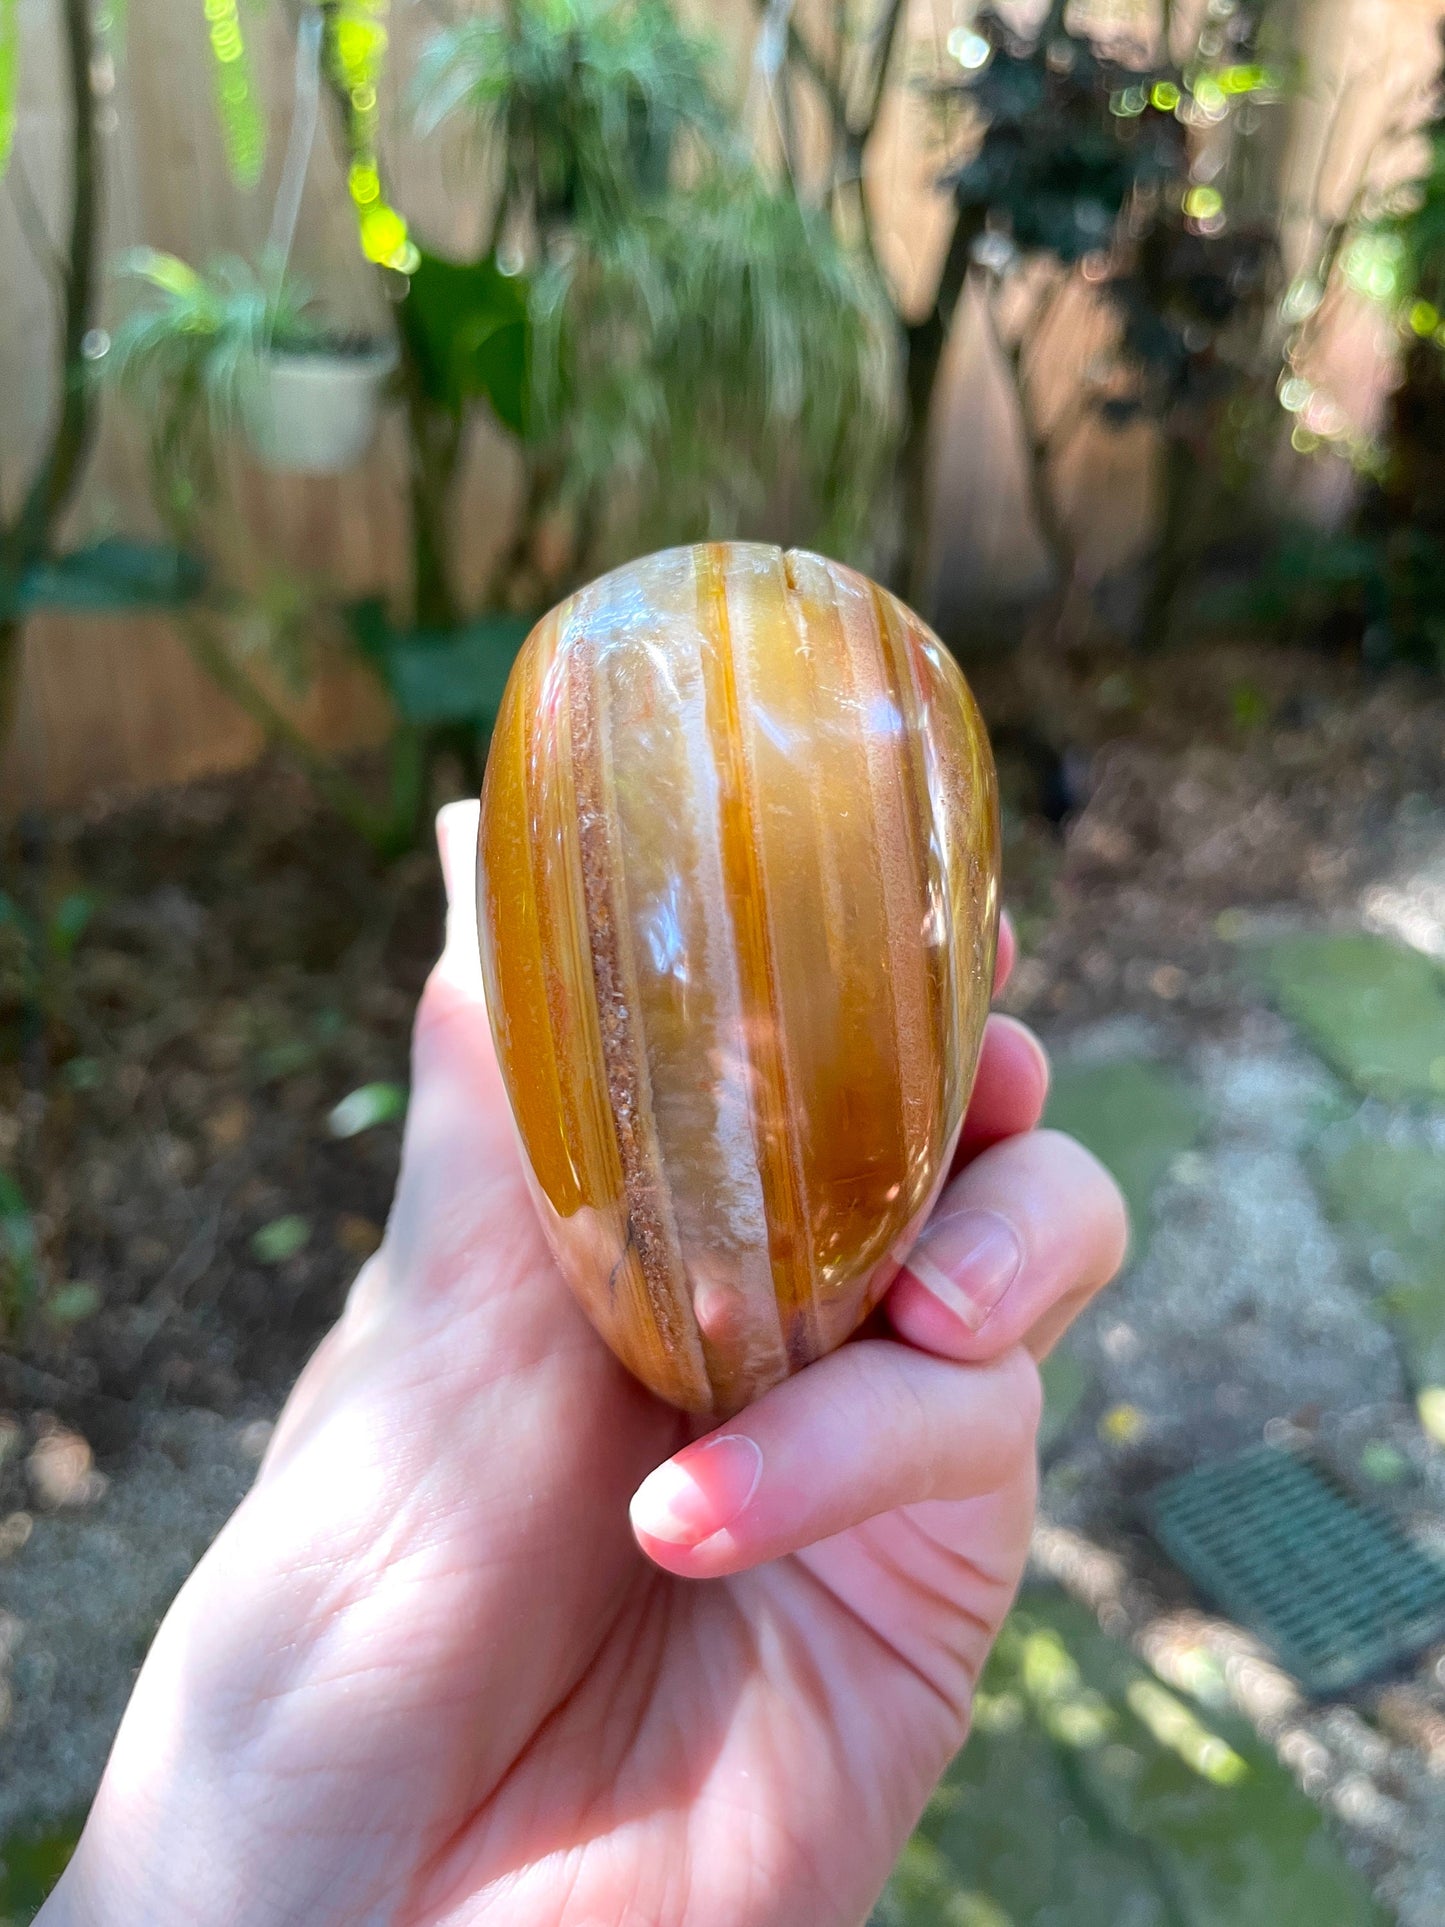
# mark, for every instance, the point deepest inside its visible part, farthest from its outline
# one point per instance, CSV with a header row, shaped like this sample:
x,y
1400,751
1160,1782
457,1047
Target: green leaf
x,y
440,676
167,272
457,681
14,916
72,1302
274,1243
238,108
361,1110
67,924
1386,1464
19,1247
288,1058
112,577
469,329
9,65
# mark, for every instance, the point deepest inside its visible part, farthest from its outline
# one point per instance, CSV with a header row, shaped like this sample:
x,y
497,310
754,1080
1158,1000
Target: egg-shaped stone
x,y
738,907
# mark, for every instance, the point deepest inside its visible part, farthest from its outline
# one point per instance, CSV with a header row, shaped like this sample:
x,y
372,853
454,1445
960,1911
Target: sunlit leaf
x,y
1173,1725
363,1109
1431,1407
1382,1462
1122,1424
69,1304
356,46
164,271
281,1239
243,121
112,21
9,76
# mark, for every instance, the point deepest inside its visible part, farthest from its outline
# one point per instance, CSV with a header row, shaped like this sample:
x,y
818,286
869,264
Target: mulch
x,y
247,964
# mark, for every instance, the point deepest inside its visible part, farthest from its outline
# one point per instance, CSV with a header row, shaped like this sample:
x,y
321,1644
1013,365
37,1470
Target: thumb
x,y
460,965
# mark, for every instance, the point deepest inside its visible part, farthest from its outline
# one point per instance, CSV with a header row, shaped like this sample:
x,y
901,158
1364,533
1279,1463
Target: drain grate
x,y
1333,1587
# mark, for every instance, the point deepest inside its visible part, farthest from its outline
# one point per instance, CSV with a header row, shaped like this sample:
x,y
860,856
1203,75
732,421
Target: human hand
x,y
428,1674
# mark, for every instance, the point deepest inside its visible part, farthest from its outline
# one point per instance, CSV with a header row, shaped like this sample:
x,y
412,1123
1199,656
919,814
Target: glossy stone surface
x,y
738,907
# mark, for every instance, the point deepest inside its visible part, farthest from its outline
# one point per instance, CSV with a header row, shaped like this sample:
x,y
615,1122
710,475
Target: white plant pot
x,y
315,414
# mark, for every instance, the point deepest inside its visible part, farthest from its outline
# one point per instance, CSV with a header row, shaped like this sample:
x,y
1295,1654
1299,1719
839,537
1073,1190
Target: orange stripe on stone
x,y
772,1101
828,846
907,678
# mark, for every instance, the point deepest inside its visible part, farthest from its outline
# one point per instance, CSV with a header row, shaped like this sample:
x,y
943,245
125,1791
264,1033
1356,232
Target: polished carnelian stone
x,y
738,907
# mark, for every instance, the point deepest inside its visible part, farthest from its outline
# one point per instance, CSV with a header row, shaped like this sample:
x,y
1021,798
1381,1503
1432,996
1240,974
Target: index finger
x,y
1008,950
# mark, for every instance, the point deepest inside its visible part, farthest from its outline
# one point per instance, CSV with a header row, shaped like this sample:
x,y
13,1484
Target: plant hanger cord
x,y
302,138
767,77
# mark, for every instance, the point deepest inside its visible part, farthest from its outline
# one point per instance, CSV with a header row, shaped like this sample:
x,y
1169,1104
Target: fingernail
x,y
968,1261
698,1493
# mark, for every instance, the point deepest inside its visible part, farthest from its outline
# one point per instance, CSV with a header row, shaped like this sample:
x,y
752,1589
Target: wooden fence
x,y
109,704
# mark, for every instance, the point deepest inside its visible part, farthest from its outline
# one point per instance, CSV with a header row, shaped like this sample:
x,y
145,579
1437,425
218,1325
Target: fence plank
x,y
112,705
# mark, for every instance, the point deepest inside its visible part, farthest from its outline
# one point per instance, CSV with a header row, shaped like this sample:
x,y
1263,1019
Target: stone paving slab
x,y
1391,1198
1091,1795
1373,1009
1136,1115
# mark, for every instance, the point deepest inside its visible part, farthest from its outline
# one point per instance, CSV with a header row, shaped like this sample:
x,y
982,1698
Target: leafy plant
x,y
712,345
578,106
185,356
685,333
1401,255
47,939
670,340
1404,512
1379,585
1073,160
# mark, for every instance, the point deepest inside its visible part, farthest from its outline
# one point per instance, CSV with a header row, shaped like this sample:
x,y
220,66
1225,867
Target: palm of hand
x,y
427,1675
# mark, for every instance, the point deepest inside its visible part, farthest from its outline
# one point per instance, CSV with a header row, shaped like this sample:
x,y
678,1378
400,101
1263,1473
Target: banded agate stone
x,y
738,907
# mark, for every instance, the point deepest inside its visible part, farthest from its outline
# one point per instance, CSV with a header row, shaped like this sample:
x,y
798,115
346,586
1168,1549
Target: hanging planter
x,y
313,408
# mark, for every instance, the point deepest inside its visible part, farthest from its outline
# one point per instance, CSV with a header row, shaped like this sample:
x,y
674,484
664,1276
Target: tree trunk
x,y
61,466
28,540
434,446
12,639
1176,545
